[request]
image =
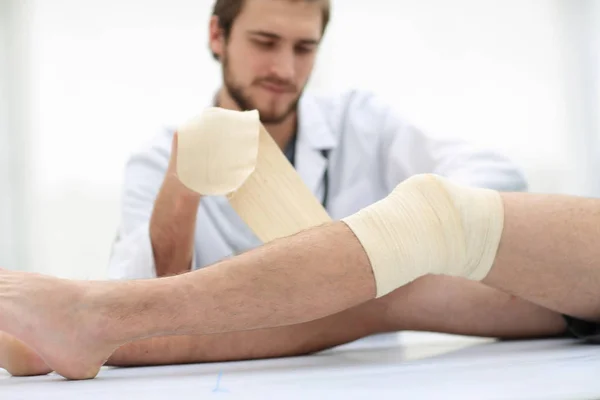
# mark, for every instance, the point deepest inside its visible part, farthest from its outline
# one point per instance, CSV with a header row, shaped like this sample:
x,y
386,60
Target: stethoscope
x,y
325,154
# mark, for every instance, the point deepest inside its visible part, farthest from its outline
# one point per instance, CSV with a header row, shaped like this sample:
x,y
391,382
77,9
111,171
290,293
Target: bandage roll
x,y
230,153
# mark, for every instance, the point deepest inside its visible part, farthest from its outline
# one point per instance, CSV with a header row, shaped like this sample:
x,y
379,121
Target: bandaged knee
x,y
429,225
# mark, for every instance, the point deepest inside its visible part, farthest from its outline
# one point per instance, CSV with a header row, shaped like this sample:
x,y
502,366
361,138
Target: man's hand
x,y
173,222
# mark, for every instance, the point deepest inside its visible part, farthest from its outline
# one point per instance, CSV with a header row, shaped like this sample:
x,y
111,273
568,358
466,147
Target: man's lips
x,y
276,88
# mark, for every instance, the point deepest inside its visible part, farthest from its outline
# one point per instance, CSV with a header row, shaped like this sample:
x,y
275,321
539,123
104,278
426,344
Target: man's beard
x,y
245,103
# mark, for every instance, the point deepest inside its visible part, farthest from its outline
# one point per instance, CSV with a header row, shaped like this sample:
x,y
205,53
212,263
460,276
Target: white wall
x,y
7,253
6,207
15,184
106,74
492,71
580,21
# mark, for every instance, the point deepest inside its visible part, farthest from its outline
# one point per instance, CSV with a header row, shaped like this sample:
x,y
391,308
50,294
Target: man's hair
x,y
228,10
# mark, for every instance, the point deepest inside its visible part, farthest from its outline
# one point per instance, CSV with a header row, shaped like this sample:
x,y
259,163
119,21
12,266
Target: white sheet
x,y
451,367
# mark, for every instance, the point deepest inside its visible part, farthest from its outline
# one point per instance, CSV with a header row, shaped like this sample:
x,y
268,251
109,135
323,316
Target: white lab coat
x,y
371,150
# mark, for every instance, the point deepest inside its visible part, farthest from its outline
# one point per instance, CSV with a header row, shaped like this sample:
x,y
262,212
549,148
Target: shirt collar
x,y
313,127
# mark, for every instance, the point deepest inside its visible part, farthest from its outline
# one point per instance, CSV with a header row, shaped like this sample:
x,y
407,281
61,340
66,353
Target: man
x,y
543,250
351,151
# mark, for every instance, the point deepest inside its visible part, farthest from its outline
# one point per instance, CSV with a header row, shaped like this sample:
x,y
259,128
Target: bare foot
x,y
54,317
19,359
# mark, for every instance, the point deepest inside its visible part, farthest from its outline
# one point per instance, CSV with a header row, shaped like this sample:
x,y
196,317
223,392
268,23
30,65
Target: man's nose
x,y
283,65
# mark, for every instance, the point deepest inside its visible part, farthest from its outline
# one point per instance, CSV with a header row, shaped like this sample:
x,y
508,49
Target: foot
x,y
19,359
54,317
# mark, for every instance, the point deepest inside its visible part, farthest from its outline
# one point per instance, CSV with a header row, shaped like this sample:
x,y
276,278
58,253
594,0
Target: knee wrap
x,y
429,225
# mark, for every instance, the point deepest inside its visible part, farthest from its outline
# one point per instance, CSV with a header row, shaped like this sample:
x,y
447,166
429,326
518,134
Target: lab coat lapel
x,y
314,138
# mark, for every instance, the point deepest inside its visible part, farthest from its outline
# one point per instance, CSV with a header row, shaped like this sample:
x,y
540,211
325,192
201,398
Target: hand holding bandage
x,y
224,152
427,225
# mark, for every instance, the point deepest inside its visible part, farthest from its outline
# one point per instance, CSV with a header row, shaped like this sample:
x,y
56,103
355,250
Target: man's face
x,y
270,54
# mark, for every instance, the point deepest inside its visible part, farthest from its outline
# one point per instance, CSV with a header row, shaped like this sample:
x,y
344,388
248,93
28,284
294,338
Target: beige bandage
x,y
429,225
224,152
217,151
274,201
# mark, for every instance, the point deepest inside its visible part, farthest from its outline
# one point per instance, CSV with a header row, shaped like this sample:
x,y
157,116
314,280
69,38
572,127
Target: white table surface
x,y
406,366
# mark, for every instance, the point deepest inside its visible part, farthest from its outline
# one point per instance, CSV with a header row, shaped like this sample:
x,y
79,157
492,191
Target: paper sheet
x,y
448,368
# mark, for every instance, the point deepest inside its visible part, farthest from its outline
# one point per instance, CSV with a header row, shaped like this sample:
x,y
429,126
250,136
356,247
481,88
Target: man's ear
x,y
216,37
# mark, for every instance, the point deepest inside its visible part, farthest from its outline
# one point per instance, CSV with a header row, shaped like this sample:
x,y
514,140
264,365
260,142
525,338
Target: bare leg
x,y
75,326
550,253
431,303
310,275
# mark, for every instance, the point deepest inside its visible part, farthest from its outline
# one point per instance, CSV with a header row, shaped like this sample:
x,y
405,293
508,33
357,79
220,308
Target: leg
x,y
432,303
315,273
425,304
549,253
265,287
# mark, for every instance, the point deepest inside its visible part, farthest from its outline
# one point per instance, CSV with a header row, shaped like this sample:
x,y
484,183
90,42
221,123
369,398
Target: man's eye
x,y
304,49
263,44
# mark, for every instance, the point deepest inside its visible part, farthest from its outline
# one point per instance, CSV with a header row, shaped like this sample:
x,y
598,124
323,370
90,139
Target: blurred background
x,y
84,83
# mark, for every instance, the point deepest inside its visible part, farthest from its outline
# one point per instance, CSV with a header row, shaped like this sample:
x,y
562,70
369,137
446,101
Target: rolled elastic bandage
x,y
230,153
217,150
429,225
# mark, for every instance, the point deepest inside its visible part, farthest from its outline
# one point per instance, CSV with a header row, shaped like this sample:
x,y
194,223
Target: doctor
x,y
350,149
